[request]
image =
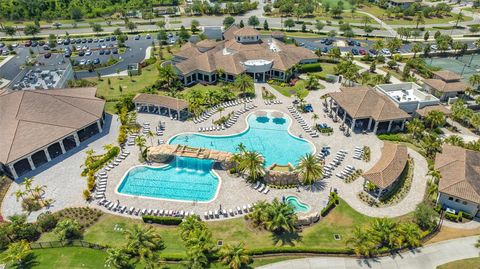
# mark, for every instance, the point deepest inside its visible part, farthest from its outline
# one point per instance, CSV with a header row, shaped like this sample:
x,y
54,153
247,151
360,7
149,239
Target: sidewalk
x,y
428,257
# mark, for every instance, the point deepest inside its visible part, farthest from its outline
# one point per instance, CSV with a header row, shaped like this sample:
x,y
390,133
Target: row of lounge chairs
x,y
216,214
337,161
102,177
207,114
233,119
346,172
358,154
116,207
263,188
212,128
131,139
302,122
273,102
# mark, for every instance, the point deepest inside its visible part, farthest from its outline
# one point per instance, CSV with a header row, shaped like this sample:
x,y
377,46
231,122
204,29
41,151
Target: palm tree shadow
x,y
286,238
317,186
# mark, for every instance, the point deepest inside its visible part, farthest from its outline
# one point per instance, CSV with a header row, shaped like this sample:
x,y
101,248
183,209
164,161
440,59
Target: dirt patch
x,y
338,219
447,233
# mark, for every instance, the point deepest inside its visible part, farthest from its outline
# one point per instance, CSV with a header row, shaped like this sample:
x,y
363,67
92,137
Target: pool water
x,y
265,134
297,205
188,179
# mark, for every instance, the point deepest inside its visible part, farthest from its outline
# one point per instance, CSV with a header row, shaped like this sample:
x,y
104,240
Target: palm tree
x,y
419,18
257,216
234,256
188,225
244,83
415,127
455,140
431,144
366,20
27,183
280,217
19,194
410,234
252,164
167,74
432,189
141,241
117,257
385,230
140,142
315,117
310,169
67,229
220,110
435,175
435,118
196,259
362,242
312,83
17,253
474,79
459,17
378,45
150,135
416,48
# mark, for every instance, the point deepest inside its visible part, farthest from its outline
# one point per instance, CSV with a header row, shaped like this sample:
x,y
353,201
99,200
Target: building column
x,y
100,129
12,170
47,154
331,101
369,124
159,112
169,112
352,126
77,139
375,128
344,116
62,147
389,126
403,125
30,161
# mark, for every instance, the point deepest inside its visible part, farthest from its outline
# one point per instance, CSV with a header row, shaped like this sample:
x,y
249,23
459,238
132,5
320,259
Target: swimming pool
x,y
265,133
187,179
297,205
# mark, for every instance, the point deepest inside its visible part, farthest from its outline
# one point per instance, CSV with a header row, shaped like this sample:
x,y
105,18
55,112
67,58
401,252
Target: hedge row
x,y
332,203
280,250
162,220
112,153
309,68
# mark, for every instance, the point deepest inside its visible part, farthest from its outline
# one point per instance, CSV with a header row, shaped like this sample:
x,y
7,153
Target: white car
x,y
88,53
386,52
82,62
433,47
104,46
15,45
60,42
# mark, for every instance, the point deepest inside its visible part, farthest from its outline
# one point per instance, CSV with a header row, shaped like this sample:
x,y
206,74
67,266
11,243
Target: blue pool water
x,y
297,205
184,178
266,134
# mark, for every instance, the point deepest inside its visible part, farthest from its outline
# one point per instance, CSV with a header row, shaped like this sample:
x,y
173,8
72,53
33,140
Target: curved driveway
x,y
428,257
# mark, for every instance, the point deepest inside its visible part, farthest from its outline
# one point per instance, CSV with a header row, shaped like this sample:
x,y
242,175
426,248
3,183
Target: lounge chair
x,y
257,185
231,212
239,210
266,190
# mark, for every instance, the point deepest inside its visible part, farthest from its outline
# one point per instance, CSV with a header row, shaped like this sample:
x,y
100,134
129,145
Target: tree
x,y
431,144
9,30
140,142
96,27
435,118
31,29
241,24
228,21
196,259
384,229
280,217
167,75
378,45
426,36
416,48
244,83
142,240
160,24
410,234
253,21
362,242
425,216
366,20
310,169
373,67
319,25
265,25
454,140
17,253
475,79
312,83
234,256
419,18
67,229
194,26
131,26
289,23
458,17
76,13
183,34
117,257
252,164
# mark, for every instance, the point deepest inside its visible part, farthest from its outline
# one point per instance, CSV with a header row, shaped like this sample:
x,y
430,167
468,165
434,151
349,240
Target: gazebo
x,y
164,105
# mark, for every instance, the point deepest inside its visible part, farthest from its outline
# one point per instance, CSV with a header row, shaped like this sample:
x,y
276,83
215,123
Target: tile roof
x,y
389,167
160,100
446,75
443,86
460,170
31,120
423,112
246,31
364,102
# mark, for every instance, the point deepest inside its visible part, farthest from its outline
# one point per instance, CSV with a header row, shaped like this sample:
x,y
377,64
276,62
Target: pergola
x,y
163,105
364,108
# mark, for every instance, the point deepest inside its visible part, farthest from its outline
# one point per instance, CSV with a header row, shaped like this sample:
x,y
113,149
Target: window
x,y
456,200
450,198
464,202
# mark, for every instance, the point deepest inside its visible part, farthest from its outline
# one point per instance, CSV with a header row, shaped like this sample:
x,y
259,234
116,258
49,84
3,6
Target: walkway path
x,y
384,25
428,257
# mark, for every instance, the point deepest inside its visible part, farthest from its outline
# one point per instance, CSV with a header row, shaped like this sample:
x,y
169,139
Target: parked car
x,y
28,43
356,43
41,43
115,51
362,52
373,52
107,39
46,47
101,40
96,61
350,42
324,49
34,43
137,37
386,52
149,36
433,47
81,53
107,52
88,53
113,38
355,51
90,40
47,55
2,45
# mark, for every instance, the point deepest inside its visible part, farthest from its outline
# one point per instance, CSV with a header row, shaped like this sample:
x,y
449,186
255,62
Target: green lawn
x,y
327,69
460,264
334,3
381,14
289,91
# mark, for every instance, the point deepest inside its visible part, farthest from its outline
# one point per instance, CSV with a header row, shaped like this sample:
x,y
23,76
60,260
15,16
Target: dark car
x,y
2,45
101,52
329,42
66,42
84,40
28,43
107,38
350,42
78,41
324,50
362,52
354,51
113,38
96,61
47,55
107,52
357,43
90,40
372,51
81,53
67,54
34,43
137,37
41,43
115,51
46,47
323,40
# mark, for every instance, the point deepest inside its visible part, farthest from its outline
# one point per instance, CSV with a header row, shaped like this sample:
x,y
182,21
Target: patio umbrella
x,y
261,113
277,114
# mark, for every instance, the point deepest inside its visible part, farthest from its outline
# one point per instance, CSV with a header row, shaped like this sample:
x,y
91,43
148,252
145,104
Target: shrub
x,y
425,216
313,67
466,215
451,217
162,220
47,221
274,250
333,201
94,166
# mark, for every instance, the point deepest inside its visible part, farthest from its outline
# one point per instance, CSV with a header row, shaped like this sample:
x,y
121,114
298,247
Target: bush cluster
x,y
332,203
309,68
162,220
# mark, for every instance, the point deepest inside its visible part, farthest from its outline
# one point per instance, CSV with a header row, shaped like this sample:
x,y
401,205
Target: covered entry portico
x,y
164,105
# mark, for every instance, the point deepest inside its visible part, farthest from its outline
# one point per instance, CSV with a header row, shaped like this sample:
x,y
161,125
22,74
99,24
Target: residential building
x,y
242,51
445,85
459,186
385,174
38,126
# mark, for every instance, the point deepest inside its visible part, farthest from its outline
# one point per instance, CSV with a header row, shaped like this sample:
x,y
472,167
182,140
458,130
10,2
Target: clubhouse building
x,y
38,126
243,51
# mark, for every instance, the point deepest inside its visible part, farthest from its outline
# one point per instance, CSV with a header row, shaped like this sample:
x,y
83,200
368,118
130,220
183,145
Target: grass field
x,y
334,3
460,264
381,14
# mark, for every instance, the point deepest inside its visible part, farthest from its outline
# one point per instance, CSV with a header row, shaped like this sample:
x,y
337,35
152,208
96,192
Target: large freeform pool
x,y
187,179
265,134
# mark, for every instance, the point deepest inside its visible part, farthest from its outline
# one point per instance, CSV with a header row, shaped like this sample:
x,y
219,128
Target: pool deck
x,y
65,185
